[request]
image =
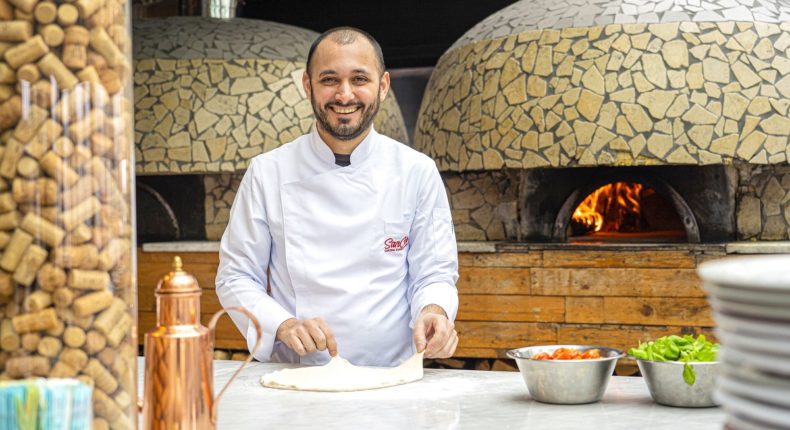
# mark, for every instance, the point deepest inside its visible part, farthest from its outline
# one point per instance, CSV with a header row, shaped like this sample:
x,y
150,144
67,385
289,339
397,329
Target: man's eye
x,y
328,81
361,80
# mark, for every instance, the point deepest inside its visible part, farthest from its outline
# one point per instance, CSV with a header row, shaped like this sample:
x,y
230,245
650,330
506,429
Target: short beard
x,y
345,132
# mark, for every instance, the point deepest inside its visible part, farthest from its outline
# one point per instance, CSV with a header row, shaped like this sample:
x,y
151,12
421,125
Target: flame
x,y
610,207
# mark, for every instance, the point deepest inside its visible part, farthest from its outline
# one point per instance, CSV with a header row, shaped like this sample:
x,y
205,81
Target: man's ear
x,y
306,84
384,86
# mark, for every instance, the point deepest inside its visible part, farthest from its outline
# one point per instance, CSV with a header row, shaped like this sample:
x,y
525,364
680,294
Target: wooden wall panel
x,y
616,282
486,280
526,259
621,336
477,307
656,311
622,258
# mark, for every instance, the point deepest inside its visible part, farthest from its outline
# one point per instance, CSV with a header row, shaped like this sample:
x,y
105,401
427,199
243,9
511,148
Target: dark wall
x,y
412,33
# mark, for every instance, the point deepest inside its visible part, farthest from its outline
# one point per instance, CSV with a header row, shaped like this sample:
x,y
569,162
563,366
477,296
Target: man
x,y
353,226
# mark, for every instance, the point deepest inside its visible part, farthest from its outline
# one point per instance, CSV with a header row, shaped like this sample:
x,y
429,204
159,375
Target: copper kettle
x,y
178,390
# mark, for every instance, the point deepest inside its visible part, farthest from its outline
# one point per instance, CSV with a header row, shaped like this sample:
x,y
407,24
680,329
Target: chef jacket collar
x,y
358,155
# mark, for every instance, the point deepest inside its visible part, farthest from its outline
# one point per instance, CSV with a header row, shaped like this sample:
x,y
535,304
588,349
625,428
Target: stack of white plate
x,y
750,297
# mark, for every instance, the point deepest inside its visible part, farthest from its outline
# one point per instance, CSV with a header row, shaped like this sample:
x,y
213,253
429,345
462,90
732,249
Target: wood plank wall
x,y
514,299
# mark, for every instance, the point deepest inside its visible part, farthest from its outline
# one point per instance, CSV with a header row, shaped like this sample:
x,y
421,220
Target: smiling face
x,y
346,87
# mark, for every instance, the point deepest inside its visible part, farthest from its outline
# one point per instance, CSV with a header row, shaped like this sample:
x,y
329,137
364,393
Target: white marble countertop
x,y
443,399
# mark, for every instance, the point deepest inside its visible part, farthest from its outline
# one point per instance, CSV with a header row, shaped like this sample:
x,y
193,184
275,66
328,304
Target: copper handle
x,y
211,326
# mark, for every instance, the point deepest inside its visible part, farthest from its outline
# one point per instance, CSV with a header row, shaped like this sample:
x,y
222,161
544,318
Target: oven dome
x,y
624,83
211,93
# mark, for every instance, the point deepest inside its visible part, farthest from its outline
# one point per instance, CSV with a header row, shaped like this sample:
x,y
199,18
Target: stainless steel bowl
x,y
566,382
665,381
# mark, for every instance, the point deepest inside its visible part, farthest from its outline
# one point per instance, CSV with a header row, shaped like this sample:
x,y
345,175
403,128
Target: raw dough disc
x,y
340,375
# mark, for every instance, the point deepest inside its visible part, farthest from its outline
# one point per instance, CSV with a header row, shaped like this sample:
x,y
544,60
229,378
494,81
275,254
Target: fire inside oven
x,y
625,212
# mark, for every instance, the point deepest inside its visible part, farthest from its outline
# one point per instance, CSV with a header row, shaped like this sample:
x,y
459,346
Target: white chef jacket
x,y
364,247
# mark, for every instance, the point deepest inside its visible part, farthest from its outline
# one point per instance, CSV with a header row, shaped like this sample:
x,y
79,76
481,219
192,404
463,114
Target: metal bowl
x,y
566,382
665,381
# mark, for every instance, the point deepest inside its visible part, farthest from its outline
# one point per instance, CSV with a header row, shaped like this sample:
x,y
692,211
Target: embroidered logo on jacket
x,y
391,244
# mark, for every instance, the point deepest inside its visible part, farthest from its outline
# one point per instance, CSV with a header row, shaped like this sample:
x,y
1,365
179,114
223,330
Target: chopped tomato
x,y
568,354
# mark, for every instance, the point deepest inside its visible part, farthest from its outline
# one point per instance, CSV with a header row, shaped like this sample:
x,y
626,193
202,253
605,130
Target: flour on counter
x,y
340,375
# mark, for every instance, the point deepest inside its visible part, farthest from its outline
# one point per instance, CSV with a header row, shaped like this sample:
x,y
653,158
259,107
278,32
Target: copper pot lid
x,y
178,281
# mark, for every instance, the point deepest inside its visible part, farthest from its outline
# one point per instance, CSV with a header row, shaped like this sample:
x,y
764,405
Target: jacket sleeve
x,y
243,260
433,253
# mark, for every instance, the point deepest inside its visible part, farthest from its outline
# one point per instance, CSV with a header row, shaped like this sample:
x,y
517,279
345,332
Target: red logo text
x,y
391,244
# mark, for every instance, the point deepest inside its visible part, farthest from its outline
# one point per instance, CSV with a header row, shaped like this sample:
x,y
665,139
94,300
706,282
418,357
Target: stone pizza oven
x,y
544,102
210,94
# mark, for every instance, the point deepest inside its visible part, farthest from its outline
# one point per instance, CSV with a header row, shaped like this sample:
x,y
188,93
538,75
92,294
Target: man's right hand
x,y
306,336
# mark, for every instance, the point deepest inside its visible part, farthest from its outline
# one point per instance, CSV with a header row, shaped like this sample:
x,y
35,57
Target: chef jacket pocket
x,y
443,235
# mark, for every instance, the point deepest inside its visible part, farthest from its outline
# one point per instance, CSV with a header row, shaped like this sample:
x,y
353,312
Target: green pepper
x,y
686,349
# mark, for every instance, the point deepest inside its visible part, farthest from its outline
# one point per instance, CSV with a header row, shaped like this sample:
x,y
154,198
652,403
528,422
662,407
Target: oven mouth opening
x,y
626,209
625,212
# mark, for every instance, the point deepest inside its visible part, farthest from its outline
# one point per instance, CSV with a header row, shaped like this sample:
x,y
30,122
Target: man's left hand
x,y
434,333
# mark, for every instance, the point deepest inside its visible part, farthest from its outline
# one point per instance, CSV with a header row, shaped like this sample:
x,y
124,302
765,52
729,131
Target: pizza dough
x,y
340,375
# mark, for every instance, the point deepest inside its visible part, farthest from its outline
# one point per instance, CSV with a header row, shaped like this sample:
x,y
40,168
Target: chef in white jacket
x,y
354,228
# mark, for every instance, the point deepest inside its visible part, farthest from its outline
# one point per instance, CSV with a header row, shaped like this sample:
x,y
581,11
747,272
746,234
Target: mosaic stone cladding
x,y
483,204
763,211
528,15
220,192
630,94
212,94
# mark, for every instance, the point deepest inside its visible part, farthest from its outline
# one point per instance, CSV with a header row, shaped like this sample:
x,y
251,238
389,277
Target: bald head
x,y
347,36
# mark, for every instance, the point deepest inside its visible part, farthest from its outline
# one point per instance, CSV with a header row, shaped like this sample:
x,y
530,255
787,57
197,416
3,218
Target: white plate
x,y
780,313
771,395
750,295
752,326
753,411
754,343
778,365
754,376
759,271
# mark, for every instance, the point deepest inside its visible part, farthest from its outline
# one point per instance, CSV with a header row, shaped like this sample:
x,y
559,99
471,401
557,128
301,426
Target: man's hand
x,y
434,333
306,336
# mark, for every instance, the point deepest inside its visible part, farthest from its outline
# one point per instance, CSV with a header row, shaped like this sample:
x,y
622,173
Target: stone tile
x,y
783,86
715,70
622,127
655,70
584,132
745,75
516,91
725,145
678,106
740,13
657,102
659,144
637,117
593,80
749,146
776,125
735,105
543,61
589,104
675,54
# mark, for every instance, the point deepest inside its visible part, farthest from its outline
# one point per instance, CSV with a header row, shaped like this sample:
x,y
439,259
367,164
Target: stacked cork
x,y
66,262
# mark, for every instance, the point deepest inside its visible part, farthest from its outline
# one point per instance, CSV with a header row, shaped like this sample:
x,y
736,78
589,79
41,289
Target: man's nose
x,y
344,93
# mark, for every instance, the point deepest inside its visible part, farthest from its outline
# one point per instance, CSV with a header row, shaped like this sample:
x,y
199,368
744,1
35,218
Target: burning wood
x,y
615,207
